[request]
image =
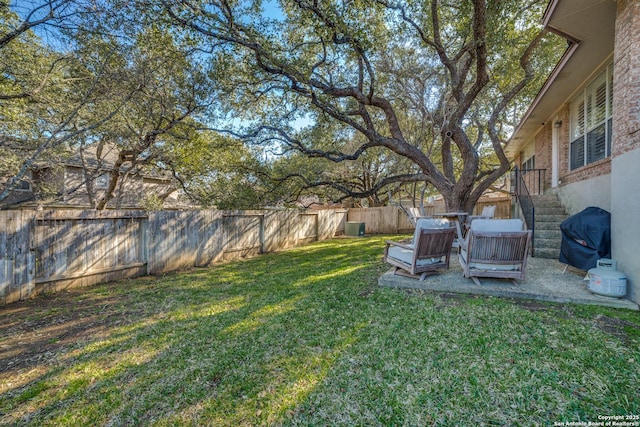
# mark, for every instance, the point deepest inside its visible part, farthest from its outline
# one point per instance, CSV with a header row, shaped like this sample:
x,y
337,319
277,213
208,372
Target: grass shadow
x,y
306,337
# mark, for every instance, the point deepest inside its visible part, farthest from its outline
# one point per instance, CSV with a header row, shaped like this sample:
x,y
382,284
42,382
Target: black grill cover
x,y
586,237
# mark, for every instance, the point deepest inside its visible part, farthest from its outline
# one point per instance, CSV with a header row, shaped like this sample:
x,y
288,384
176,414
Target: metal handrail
x,y
535,180
526,203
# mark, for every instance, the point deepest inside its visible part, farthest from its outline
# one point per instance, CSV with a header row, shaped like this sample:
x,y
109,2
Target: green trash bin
x,y
354,228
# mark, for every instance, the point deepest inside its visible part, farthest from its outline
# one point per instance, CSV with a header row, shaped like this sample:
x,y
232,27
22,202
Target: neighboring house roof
x,y
589,27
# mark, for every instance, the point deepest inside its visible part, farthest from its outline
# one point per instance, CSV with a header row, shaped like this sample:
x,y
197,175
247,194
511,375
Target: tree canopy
x,y
272,99
118,80
434,82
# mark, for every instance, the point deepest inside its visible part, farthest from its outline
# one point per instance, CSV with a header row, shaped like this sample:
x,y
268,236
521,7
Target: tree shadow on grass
x,y
306,337
242,342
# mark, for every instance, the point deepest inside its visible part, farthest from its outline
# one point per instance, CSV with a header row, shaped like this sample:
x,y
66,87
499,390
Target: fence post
x,y
31,255
261,232
143,242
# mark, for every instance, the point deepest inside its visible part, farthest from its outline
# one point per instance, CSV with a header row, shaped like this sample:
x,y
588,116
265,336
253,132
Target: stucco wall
x,y
625,170
582,194
625,228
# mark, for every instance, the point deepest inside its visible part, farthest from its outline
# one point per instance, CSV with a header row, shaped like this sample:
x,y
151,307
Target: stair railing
x,y
535,180
521,192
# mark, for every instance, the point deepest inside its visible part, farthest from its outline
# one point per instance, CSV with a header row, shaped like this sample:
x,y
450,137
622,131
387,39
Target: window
x,y
591,113
102,181
530,164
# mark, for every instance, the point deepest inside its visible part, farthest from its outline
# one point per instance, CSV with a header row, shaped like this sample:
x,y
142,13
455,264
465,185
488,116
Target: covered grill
x,y
586,237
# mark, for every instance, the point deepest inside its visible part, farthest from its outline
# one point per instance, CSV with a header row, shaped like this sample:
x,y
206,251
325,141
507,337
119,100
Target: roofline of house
x,y
566,56
566,18
108,168
546,22
573,44
546,17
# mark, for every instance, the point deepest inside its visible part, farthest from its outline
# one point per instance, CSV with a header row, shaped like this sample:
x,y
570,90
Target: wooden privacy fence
x,y
502,204
54,250
391,220
381,220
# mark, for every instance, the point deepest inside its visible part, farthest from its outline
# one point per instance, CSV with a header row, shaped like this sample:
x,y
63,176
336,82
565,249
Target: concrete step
x,y
552,206
540,218
549,234
545,198
544,206
549,253
550,210
546,243
547,225
548,237
545,201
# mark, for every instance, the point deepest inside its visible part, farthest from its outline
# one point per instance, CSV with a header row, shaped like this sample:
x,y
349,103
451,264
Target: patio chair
x,y
414,214
496,248
488,212
428,251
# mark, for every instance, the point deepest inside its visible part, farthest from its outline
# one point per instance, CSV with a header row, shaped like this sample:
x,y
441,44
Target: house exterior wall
x,y
626,79
582,187
68,184
567,176
587,186
612,183
579,195
130,195
625,170
17,196
625,228
578,188
43,183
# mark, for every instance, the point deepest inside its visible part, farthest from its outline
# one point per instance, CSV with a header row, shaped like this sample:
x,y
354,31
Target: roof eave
x,y
588,27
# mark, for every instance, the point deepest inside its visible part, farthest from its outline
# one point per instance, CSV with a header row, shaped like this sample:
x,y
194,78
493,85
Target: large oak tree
x,y
79,76
435,82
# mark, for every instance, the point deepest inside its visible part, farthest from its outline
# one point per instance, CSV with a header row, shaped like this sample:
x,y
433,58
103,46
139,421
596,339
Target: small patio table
x,y
458,218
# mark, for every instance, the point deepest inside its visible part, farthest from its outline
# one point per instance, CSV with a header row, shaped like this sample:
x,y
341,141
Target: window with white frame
x,y
591,113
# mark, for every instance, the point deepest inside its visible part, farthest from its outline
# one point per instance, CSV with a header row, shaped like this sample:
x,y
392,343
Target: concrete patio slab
x,y
545,281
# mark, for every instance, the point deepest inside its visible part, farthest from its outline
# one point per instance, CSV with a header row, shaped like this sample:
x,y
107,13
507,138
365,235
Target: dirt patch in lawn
x,y
37,332
620,328
43,332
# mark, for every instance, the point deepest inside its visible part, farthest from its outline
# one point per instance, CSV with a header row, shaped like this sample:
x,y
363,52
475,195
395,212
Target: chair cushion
x,y
488,267
429,223
406,256
497,225
433,223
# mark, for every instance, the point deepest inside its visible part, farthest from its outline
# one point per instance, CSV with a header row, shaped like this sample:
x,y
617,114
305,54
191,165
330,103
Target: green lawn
x,y
306,337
